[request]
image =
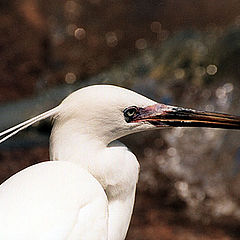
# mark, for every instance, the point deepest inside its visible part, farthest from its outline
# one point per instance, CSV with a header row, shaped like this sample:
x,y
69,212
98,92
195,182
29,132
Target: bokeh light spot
x,y
172,152
111,39
80,33
228,87
182,187
211,69
179,73
70,78
209,108
220,92
71,6
200,71
156,27
141,43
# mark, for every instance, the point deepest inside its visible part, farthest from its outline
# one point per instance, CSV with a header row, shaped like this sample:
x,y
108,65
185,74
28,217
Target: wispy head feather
x,y
15,129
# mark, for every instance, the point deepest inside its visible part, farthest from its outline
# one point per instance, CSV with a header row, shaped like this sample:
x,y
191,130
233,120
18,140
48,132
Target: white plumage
x,y
53,201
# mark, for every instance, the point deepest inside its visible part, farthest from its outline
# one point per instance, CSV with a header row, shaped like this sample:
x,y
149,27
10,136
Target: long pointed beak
x,y
164,115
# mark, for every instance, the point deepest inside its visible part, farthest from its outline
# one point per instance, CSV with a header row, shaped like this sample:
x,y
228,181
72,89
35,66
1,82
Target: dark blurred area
x,y
177,52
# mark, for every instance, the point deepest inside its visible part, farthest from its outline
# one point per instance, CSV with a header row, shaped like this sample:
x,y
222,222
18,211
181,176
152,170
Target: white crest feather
x,y
15,129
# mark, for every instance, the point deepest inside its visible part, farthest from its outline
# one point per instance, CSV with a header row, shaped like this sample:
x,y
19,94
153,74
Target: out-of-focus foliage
x,y
44,43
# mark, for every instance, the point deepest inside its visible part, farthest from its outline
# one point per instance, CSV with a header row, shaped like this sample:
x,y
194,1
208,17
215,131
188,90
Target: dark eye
x,y
130,113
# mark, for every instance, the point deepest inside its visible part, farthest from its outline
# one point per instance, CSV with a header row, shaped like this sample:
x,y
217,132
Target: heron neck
x,y
113,165
93,154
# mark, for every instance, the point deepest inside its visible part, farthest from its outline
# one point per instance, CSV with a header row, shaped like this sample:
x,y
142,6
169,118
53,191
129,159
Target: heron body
x,y
87,192
52,201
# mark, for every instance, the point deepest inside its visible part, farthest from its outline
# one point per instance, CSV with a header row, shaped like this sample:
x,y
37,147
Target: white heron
x,y
88,193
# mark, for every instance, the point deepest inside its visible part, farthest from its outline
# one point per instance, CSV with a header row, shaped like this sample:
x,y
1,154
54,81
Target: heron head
x,y
110,112
104,111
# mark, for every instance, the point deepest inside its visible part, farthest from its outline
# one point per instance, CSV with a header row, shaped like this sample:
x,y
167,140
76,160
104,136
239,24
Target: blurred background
x,y
183,53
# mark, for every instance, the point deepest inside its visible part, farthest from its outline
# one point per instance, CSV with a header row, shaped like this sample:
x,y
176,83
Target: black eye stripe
x,y
130,113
